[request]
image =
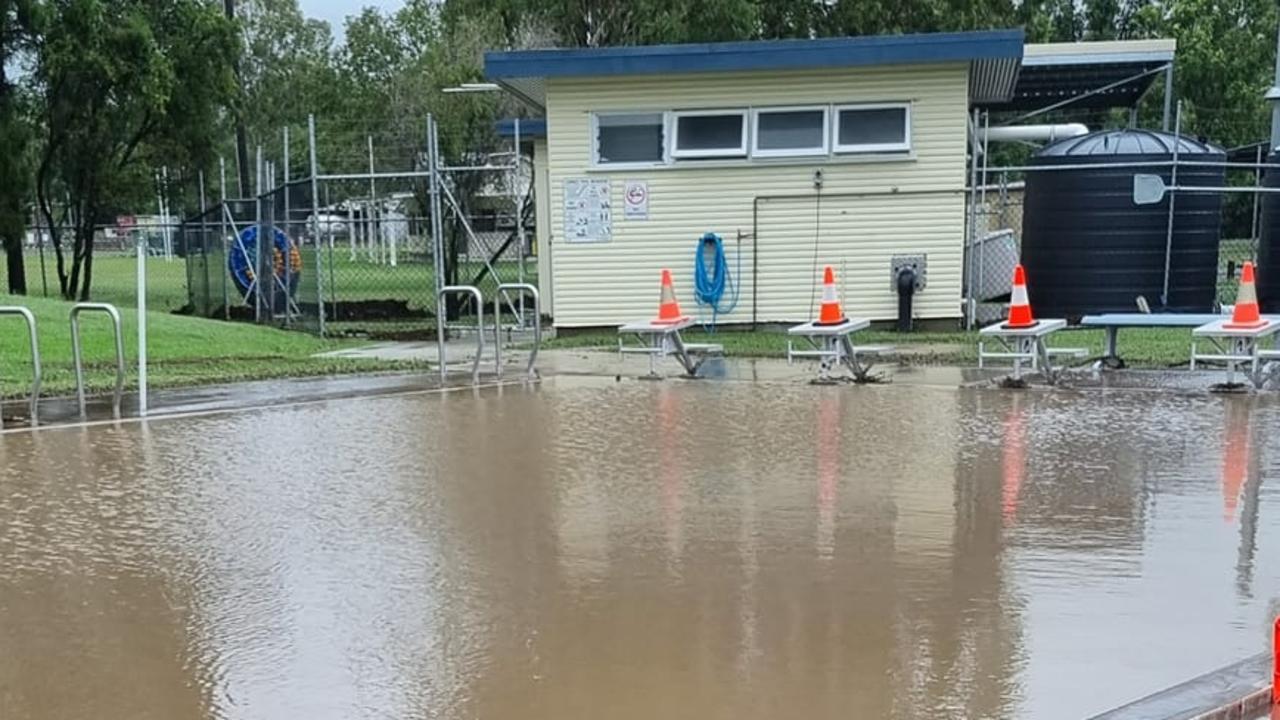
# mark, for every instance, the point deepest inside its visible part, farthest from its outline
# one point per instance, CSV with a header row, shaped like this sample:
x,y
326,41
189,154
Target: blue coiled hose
x,y
713,286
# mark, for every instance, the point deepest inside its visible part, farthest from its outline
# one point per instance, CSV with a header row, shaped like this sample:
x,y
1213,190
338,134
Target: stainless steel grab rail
x,y
499,295
30,319
114,314
440,320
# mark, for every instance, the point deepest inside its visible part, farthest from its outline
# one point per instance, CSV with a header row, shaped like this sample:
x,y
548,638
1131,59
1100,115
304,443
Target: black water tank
x,y
1088,248
1269,241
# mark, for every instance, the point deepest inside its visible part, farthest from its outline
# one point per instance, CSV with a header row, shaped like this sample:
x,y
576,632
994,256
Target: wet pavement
x,y
593,547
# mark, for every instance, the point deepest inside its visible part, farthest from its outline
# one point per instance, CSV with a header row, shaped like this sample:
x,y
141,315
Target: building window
x,y
781,132
710,134
636,138
873,128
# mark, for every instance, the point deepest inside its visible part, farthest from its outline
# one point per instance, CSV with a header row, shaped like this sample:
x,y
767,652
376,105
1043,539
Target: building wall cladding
x,y
872,207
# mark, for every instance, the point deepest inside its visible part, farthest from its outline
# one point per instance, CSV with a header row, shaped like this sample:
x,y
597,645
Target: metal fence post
x,y
289,242
315,219
1173,181
257,260
222,237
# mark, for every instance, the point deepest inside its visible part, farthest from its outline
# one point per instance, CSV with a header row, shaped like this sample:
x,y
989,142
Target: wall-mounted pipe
x,y
1035,133
906,293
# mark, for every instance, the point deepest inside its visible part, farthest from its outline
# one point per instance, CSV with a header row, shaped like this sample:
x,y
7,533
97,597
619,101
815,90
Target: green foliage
x,y
122,82
107,90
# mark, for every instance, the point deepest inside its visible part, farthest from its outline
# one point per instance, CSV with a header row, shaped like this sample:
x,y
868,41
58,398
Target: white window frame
x,y
756,151
904,146
721,153
665,122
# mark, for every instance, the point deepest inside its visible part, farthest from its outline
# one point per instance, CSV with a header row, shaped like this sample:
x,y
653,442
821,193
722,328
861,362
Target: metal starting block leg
x,y
861,371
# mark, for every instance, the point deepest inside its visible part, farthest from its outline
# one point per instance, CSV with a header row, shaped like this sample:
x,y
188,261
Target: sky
x,y
336,11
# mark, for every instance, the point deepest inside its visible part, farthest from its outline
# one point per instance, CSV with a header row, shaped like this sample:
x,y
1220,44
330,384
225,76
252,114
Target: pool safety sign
x,y
587,213
635,200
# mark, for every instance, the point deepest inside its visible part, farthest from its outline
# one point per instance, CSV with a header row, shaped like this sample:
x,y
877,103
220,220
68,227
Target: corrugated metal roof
x,y
992,80
1054,72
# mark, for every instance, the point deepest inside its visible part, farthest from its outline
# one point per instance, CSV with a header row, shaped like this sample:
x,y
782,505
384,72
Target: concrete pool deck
x,y
58,411
1241,691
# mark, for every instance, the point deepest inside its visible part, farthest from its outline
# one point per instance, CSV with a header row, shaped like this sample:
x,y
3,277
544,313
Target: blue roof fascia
x,y
529,128
758,55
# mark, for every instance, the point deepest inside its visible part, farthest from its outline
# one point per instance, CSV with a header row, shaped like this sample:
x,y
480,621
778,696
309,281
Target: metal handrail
x,y
114,314
440,319
500,293
30,319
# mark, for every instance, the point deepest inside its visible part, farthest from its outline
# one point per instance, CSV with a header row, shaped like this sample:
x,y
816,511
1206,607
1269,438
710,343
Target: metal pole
x,y
222,236
1274,96
1257,183
981,247
288,246
142,329
315,218
204,245
437,248
1173,199
257,260
1168,96
971,225
515,192
372,237
165,231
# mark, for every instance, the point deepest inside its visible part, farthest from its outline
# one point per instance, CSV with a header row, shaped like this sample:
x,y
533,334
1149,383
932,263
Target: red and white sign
x,y
125,223
635,200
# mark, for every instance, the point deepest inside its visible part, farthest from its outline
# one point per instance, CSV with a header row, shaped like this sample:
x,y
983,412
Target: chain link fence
x,y
114,267
358,237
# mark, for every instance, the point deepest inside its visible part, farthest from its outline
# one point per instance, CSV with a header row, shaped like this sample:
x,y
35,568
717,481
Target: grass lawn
x,y
1140,347
181,351
345,280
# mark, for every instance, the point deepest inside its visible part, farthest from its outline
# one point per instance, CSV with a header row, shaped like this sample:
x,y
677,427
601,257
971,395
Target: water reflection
x,y
638,550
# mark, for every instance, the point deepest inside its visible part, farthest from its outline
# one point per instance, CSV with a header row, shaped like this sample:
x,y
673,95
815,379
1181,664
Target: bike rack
x,y
114,314
499,295
440,320
30,319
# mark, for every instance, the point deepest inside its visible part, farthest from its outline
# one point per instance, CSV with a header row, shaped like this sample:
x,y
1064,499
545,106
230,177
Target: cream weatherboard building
x,y
848,151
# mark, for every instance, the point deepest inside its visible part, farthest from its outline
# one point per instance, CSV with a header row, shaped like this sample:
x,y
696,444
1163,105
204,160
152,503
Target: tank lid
x,y
1128,142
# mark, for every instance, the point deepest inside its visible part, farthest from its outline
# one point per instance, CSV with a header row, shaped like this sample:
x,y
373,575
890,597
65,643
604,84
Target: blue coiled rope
x,y
713,286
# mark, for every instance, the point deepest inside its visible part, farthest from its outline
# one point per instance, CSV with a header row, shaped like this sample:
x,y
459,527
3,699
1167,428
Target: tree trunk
x,y
55,234
88,263
16,265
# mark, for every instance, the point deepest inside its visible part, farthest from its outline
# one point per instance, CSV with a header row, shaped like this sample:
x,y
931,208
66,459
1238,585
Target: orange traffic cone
x,y
1019,306
1246,314
668,308
830,312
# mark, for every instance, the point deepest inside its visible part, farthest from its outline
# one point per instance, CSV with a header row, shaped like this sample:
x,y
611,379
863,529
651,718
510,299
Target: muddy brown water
x,y
589,549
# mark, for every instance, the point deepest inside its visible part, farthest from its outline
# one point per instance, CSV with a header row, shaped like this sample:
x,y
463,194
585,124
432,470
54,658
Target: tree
x,y
17,25
287,69
122,82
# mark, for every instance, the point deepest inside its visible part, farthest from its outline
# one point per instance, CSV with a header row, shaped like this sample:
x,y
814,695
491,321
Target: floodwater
x,y
592,549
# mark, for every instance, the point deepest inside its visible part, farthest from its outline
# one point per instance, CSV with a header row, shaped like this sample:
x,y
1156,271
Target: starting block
x,y
1239,349
831,344
1026,345
662,339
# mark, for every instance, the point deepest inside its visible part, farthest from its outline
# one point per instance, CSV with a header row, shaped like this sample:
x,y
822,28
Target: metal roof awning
x,y
1112,74
993,57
